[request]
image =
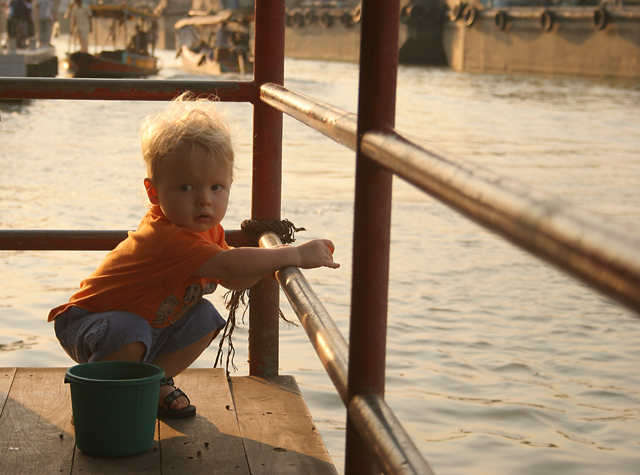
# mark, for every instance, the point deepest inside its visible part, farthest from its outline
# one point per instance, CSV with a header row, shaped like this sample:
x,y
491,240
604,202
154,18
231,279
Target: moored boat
x,y
216,44
135,60
510,37
111,64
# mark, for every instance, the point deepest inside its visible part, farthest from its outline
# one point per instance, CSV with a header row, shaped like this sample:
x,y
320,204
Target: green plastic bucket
x,y
115,404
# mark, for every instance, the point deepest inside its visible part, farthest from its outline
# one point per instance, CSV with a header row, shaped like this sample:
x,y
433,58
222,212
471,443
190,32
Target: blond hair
x,y
190,120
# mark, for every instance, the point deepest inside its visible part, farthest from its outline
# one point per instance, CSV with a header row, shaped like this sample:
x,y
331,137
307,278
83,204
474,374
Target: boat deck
x,y
244,425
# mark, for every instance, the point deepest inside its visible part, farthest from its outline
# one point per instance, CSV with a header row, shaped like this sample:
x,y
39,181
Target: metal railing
x,y
123,89
57,240
394,450
602,254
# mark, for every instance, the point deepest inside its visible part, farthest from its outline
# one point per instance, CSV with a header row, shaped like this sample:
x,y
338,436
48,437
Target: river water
x,y
497,363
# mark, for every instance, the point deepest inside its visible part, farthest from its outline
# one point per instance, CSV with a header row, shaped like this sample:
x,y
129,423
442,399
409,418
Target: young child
x,y
144,302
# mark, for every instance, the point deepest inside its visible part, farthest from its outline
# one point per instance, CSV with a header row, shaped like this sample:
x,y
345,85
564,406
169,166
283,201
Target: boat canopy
x,y
237,15
204,20
123,12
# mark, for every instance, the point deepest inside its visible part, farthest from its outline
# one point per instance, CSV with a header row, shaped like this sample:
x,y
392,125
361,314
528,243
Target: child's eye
x,y
216,187
186,188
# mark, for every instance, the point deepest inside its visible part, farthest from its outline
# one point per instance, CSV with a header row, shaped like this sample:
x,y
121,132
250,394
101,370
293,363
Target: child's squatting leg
x,y
176,362
172,363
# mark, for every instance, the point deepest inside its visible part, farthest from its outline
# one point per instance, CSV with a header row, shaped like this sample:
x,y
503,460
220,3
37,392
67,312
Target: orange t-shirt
x,y
150,273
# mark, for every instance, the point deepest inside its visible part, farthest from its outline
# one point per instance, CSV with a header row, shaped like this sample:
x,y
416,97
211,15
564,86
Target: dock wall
x,y
544,41
334,34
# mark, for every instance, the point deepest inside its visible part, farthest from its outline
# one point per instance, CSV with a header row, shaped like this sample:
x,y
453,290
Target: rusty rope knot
x,y
285,230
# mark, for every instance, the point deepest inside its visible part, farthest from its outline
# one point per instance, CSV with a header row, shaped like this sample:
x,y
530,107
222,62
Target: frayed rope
x,y
285,230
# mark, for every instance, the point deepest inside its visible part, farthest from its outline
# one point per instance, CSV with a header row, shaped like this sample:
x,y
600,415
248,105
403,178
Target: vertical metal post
x,y
372,221
267,179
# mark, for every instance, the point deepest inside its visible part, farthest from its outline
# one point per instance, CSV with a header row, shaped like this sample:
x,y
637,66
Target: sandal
x,y
166,411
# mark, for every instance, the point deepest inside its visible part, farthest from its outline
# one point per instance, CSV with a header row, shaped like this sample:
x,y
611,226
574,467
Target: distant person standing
x,y
9,14
46,14
81,24
222,41
19,16
139,42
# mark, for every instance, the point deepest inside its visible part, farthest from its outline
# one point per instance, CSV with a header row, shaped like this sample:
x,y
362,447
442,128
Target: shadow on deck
x,y
244,425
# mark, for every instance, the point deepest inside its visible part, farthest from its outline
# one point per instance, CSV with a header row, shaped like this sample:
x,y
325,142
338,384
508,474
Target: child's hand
x,y
316,253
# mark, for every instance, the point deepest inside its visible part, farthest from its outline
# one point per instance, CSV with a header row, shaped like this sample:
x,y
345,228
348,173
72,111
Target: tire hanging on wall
x,y
325,20
470,15
356,14
600,19
501,19
308,17
298,20
346,19
547,20
456,12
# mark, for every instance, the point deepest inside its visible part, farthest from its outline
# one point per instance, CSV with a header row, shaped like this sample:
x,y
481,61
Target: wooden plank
x,y
211,442
148,463
6,379
274,427
35,425
277,428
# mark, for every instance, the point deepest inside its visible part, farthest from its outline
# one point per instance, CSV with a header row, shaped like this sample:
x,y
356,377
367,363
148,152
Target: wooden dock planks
x,y
277,428
211,443
263,427
36,435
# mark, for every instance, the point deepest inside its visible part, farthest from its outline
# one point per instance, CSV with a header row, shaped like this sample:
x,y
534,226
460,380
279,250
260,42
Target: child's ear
x,y
152,193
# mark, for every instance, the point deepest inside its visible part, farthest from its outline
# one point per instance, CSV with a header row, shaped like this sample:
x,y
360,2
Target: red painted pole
x,y
267,179
372,221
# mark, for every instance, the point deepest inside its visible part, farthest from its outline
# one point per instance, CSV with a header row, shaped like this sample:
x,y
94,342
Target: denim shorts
x,y
89,337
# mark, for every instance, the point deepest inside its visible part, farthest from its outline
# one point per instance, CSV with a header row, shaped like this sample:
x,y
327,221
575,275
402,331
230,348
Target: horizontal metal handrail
x,y
335,123
603,254
72,240
395,453
394,450
123,89
59,240
325,336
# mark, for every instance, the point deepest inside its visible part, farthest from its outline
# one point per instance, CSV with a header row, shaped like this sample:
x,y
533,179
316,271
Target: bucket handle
x,y
162,381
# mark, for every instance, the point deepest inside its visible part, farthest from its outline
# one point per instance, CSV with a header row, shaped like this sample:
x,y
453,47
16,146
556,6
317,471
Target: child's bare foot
x,y
173,403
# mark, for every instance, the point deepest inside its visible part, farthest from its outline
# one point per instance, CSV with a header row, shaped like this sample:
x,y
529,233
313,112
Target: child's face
x,y
193,191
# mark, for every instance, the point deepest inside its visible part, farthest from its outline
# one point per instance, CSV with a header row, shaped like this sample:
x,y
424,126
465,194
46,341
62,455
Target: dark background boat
x,y
136,28
111,64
